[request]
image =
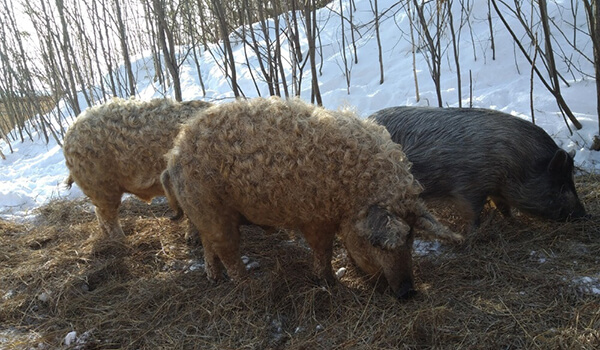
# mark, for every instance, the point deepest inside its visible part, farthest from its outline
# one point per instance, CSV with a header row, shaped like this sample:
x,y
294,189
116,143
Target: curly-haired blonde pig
x,y
292,165
119,147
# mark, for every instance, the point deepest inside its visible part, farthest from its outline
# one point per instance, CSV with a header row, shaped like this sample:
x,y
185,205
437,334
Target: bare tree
x,y
455,48
18,94
433,50
124,47
310,11
553,87
593,15
278,54
551,65
492,44
413,49
297,59
375,9
343,50
219,12
263,53
352,29
67,55
167,43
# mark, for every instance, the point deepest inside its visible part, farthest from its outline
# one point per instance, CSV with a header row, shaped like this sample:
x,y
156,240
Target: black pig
x,y
466,155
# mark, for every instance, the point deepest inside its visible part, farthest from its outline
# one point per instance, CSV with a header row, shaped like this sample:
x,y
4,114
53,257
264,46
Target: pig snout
x,y
572,212
577,215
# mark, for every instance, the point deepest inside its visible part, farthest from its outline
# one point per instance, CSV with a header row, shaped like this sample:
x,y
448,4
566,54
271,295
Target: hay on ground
x,y
515,283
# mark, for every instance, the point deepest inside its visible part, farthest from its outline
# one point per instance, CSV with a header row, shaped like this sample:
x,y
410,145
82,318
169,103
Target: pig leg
x,y
471,205
502,206
228,249
192,236
211,260
107,212
320,239
221,241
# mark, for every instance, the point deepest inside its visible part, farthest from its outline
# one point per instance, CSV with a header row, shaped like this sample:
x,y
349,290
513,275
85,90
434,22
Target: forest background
x,y
83,52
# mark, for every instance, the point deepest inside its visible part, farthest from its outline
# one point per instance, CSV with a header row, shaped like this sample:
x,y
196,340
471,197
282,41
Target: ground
x,y
515,283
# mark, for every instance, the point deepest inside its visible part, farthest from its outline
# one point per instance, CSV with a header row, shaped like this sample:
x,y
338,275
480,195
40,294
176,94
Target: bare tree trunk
x,y
593,14
344,58
433,48
296,36
228,51
374,7
413,50
67,53
278,58
199,70
532,75
167,44
309,13
317,35
159,75
255,47
244,9
190,25
470,89
559,98
124,48
548,48
18,67
270,70
294,48
107,51
98,46
82,42
352,9
492,44
455,50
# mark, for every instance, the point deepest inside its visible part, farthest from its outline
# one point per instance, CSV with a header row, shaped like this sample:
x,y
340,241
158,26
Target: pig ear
x,y
386,230
559,162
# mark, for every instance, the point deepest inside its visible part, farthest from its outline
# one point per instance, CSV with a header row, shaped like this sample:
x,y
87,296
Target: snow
x,y
34,173
70,338
426,248
587,285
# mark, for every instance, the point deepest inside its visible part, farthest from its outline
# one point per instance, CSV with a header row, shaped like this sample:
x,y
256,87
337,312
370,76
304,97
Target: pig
x,y
289,164
467,155
118,147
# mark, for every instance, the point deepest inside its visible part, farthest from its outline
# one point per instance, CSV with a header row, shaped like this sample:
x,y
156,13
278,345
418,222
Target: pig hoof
x,y
405,291
328,282
586,217
193,241
324,283
177,216
212,274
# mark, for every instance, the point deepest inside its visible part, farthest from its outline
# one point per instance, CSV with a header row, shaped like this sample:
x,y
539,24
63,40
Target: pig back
x,y
287,163
453,147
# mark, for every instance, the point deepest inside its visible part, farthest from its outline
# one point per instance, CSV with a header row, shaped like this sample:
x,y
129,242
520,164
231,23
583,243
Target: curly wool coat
x,y
118,147
290,164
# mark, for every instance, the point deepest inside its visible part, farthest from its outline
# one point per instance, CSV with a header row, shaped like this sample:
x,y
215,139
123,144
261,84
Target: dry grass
x,y
513,284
